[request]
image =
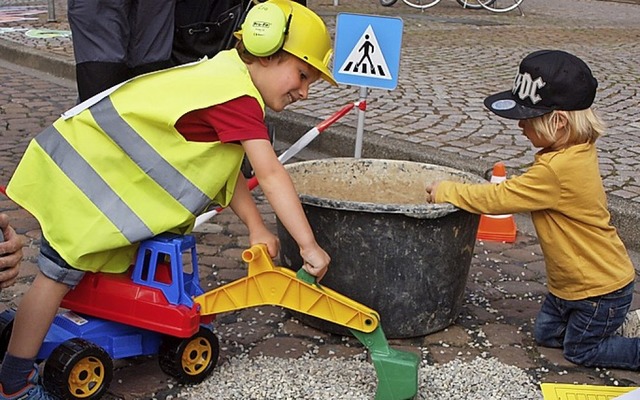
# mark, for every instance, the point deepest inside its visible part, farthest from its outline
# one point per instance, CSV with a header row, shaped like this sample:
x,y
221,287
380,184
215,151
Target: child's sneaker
x,y
33,390
631,326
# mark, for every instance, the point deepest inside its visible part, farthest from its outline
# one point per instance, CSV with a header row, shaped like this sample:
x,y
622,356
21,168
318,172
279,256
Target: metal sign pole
x,y
360,129
51,11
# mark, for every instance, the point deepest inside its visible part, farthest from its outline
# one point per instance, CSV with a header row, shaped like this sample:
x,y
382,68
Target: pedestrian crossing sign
x,y
367,50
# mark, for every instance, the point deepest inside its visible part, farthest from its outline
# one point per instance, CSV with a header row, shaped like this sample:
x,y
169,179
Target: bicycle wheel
x,y
421,4
505,6
387,3
474,4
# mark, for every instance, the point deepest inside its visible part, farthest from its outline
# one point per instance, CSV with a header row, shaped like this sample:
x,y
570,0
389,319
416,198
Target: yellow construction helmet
x,y
284,24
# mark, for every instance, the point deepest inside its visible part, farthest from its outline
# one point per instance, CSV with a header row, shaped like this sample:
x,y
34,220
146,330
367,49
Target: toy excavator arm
x,y
266,284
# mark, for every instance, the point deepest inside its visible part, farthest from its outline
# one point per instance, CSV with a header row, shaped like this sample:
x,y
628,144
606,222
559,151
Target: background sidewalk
x,y
451,59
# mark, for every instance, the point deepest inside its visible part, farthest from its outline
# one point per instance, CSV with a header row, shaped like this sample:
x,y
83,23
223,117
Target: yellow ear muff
x,y
264,29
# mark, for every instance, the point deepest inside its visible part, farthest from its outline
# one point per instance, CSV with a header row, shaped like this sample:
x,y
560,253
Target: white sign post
x,y
367,54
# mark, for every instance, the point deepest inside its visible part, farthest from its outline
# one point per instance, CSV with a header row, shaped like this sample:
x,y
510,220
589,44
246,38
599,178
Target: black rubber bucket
x,y
390,250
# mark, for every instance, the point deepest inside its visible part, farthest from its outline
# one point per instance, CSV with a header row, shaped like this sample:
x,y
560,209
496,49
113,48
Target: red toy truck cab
x,y
155,293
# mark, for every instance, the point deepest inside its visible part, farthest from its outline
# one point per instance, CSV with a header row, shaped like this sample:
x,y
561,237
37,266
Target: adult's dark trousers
x,y
93,77
114,40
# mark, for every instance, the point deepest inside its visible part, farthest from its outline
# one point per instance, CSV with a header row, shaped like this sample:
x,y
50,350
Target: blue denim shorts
x,y
55,268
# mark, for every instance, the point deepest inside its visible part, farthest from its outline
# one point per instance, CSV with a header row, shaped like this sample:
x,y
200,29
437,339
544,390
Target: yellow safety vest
x,y
119,172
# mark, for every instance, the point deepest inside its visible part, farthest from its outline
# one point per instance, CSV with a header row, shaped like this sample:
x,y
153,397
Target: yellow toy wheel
x,y
190,360
86,377
78,369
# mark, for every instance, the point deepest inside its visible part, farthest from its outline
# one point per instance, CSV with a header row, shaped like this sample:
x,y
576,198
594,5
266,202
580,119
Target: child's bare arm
x,y
245,208
279,190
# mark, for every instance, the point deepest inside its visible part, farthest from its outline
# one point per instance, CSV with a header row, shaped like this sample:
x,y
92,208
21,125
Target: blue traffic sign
x,y
367,50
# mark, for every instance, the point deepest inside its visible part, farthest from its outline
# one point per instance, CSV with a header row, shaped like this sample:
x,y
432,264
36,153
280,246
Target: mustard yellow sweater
x,y
563,190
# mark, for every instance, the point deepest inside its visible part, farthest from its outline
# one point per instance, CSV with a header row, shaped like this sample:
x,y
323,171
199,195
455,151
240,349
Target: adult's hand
x,y
10,253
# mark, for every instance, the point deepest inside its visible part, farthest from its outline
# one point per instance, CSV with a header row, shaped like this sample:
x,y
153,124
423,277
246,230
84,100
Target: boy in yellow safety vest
x,y
150,155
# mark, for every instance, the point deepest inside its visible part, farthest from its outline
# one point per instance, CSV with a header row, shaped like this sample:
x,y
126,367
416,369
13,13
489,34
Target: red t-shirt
x,y
236,120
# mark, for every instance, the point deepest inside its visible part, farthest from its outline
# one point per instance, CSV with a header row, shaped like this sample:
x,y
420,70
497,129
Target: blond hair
x,y
582,126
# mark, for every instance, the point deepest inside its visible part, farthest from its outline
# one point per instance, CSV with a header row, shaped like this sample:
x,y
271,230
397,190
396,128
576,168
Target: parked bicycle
x,y
497,6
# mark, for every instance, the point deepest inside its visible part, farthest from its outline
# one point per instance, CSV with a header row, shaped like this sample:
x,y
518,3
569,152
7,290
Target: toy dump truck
x,y
158,307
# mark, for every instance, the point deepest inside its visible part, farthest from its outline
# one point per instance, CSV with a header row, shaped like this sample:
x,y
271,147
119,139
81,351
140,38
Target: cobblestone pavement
x,y
445,73
451,59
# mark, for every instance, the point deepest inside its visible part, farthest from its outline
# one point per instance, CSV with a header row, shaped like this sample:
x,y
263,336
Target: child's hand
x,y
316,261
431,192
264,236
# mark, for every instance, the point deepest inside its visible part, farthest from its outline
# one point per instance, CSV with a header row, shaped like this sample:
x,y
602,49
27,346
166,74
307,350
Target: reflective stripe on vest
x,y
92,185
165,174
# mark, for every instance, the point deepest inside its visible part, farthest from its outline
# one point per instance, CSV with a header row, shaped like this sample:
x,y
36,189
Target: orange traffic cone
x,y
499,228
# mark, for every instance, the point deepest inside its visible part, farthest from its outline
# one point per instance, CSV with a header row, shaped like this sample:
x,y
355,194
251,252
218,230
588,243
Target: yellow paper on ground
x,y
564,391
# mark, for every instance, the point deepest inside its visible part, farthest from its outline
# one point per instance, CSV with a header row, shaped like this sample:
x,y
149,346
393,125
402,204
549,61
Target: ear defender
x,y
264,29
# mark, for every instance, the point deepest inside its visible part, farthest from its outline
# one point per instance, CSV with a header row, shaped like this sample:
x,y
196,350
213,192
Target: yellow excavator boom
x,y
266,284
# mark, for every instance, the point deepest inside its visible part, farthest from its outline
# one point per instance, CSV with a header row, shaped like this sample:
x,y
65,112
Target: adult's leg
x,y
100,34
152,24
97,76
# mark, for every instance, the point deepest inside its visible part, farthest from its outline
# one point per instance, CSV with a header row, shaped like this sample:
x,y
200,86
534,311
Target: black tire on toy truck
x,y
78,369
190,360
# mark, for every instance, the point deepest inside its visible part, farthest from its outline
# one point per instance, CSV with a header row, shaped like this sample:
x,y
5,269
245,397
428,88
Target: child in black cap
x,y
590,275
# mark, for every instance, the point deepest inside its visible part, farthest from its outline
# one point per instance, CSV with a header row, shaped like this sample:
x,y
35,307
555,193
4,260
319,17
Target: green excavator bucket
x,y
397,370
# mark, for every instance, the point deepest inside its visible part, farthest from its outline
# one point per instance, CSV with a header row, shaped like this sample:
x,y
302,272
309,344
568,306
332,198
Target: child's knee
x,y
548,341
580,355
545,336
52,266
